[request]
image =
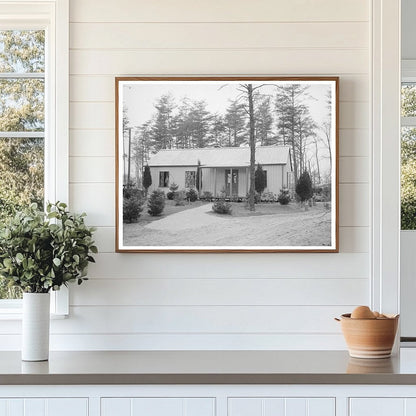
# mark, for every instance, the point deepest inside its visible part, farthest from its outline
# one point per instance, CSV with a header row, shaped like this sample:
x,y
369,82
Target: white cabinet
x,y
44,407
281,406
382,406
146,406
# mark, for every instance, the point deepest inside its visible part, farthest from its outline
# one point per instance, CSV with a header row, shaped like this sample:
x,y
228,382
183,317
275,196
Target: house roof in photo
x,y
220,156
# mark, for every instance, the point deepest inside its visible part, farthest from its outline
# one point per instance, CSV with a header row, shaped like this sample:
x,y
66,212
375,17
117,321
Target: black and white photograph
x,y
227,164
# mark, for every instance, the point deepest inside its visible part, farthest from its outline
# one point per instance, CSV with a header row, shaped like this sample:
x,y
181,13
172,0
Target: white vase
x,y
35,326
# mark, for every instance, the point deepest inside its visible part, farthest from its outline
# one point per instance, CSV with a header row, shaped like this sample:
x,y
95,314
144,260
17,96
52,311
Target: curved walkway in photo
x,y
201,227
190,218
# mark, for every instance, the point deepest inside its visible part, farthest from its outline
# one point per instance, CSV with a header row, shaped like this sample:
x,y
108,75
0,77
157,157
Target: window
x,y
22,124
408,156
163,179
265,179
33,112
190,179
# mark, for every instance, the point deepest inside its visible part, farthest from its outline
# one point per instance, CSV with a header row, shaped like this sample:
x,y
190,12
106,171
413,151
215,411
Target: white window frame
x,y
385,150
53,17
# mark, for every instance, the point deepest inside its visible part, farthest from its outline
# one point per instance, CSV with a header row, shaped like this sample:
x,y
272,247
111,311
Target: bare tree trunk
x,y
252,148
317,160
295,162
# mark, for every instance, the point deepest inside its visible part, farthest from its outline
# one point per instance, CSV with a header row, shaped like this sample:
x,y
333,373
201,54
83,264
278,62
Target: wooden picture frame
x,y
197,138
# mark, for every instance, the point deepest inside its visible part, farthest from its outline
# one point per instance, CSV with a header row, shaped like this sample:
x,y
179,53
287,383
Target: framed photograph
x,y
227,164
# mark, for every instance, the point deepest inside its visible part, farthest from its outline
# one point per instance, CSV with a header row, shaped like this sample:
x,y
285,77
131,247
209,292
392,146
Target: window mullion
x,y
22,134
22,75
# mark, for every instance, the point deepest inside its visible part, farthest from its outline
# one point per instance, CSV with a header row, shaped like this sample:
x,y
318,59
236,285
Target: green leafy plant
x,y
43,251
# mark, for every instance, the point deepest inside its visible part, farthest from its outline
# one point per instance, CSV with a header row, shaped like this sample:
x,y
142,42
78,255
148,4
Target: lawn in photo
x,y
227,164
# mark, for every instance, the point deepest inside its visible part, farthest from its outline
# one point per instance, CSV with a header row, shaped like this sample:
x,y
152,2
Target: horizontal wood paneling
x,y
218,35
354,170
218,11
99,88
220,291
104,238
96,199
354,208
95,143
146,342
265,265
219,62
194,320
258,301
89,169
201,319
354,142
354,239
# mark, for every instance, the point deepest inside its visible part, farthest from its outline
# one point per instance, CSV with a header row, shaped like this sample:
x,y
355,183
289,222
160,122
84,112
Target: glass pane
x,y
408,178
408,100
22,104
21,183
22,51
21,173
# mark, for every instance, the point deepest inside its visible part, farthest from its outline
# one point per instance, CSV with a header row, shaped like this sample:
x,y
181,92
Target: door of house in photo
x,y
231,182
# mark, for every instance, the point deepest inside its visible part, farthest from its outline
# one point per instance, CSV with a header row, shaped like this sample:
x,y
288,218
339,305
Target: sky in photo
x,y
141,96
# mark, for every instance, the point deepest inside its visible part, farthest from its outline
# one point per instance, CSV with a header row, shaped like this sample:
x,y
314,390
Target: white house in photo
x,y
225,169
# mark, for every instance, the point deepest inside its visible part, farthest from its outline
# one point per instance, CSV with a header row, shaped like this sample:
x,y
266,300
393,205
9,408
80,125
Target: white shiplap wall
x,y
218,301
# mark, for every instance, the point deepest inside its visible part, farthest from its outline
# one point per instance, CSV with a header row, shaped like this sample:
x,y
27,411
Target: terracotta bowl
x,y
369,338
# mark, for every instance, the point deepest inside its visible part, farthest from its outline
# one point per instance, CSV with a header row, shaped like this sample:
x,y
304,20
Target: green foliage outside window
x,y
408,161
21,110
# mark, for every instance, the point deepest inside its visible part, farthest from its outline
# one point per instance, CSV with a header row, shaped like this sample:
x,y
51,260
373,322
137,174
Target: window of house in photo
x,y
163,179
190,179
265,179
22,125
408,156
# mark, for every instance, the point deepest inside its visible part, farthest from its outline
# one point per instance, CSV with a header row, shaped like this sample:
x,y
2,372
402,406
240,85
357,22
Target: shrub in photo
x,y
284,197
259,180
221,207
132,203
173,188
132,208
207,196
192,195
170,195
257,198
147,178
132,192
180,198
268,197
156,203
304,187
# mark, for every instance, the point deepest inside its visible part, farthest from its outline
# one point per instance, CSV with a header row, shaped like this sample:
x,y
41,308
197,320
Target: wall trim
x,y
385,98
